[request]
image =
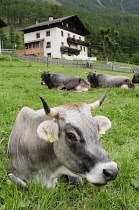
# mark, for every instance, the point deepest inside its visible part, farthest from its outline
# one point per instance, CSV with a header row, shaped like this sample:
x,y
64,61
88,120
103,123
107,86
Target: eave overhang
x,y
55,23
32,41
3,24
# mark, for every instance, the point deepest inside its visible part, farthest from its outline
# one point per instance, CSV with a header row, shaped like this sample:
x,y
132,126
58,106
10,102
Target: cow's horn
x,y
96,104
49,111
40,71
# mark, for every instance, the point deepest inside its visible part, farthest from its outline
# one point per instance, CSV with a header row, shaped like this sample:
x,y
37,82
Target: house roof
x,y
3,24
54,22
36,40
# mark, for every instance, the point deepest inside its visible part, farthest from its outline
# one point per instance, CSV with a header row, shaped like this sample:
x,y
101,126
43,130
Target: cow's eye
x,y
71,136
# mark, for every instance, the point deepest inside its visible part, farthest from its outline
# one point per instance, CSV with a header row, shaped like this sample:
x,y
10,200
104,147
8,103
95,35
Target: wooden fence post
x,y
11,61
47,61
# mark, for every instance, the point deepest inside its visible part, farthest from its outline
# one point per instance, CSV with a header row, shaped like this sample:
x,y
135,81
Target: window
x,y
81,48
38,35
62,33
84,48
48,44
47,33
49,55
68,35
36,44
74,36
62,44
79,37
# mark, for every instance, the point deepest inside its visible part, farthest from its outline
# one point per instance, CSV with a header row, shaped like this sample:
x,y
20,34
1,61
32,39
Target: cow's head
x,y
128,84
75,136
92,78
135,77
46,78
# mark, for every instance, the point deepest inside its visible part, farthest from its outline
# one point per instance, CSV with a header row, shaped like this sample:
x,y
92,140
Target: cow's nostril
x,y
110,174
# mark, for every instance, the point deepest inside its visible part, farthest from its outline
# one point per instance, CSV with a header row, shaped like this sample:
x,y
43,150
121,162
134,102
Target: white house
x,y
56,38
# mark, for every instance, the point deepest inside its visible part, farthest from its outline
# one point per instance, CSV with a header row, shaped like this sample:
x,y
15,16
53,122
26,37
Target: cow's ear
x,y
48,131
104,124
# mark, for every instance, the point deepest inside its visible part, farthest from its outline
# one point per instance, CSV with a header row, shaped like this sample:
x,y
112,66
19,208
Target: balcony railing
x,y
31,51
70,50
77,41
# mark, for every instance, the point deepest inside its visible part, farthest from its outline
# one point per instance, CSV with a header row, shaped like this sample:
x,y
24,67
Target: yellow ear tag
x,y
51,138
101,130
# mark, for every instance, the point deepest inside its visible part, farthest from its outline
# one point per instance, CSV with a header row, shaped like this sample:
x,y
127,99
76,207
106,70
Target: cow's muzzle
x,y
110,174
42,83
102,173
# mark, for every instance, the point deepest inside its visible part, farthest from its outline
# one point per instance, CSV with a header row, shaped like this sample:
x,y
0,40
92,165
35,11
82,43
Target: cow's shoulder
x,y
28,113
28,117
25,128
102,76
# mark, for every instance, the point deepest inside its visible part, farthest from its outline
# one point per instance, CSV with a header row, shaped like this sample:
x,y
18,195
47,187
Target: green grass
x,y
20,86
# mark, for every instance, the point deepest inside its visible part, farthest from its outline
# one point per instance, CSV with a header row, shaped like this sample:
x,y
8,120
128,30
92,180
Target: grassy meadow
x,y
20,86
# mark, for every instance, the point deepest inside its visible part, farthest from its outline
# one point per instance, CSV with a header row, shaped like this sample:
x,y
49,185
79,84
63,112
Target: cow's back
x,y
102,80
65,81
117,81
105,80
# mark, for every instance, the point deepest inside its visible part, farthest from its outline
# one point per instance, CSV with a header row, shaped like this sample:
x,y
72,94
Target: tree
x,y
135,59
12,34
17,41
56,11
108,41
3,38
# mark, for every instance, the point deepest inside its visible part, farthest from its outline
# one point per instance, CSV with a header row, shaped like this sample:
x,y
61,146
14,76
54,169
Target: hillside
x,y
101,6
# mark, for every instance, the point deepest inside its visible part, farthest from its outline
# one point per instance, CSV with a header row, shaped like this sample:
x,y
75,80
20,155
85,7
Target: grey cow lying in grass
x,y
47,143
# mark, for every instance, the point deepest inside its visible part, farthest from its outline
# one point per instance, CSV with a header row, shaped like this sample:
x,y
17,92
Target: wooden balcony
x,y
77,41
38,51
70,50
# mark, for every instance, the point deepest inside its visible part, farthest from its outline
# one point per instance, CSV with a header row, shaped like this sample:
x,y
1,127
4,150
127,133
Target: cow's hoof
x,y
74,180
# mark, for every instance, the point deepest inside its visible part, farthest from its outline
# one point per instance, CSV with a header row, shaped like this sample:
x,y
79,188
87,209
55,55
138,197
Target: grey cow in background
x,y
47,143
105,81
64,82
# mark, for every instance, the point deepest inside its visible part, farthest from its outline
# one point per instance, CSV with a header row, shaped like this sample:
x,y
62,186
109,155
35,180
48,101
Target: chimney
x,y
37,21
50,18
